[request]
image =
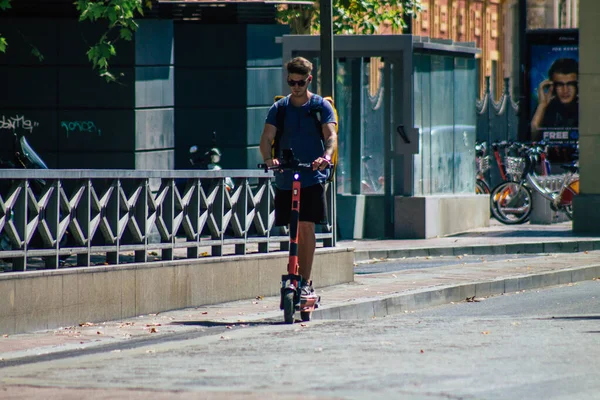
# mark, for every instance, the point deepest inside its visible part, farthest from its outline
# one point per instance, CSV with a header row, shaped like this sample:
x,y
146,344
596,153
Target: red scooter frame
x,y
291,298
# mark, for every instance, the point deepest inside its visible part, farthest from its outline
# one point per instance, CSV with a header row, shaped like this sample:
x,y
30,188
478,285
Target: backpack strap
x,y
280,120
315,107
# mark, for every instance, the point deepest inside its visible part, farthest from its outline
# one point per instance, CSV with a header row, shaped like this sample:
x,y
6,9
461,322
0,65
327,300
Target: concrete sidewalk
x,y
495,239
562,258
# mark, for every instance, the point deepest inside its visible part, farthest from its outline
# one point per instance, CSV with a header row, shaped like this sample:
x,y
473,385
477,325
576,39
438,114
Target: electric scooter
x,y
292,282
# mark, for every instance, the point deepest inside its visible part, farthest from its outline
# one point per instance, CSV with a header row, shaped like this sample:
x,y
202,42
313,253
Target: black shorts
x,y
313,205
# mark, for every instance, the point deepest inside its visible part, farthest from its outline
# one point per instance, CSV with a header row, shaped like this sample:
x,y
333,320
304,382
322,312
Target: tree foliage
x,y
351,16
119,15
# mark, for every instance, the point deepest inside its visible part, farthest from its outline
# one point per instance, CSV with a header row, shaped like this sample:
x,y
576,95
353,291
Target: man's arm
x,y
330,137
266,139
545,95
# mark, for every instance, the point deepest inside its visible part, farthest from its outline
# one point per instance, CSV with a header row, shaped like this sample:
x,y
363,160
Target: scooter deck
x,y
309,303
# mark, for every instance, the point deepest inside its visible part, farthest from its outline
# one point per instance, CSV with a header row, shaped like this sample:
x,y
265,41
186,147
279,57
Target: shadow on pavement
x,y
576,318
210,324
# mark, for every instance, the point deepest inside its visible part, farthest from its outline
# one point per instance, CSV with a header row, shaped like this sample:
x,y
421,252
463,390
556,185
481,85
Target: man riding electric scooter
x,y
313,143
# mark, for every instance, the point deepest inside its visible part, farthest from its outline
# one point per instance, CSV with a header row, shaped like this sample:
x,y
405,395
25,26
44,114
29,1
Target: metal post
x,y
523,109
327,89
326,48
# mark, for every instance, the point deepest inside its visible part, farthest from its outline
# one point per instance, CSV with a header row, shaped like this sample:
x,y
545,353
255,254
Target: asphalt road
x,y
530,345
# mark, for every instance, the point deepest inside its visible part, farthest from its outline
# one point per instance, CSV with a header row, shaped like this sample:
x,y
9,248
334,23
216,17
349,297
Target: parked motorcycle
x,y
24,157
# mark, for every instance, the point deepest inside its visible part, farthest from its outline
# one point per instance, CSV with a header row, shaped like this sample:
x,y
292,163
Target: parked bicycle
x,y
482,164
511,201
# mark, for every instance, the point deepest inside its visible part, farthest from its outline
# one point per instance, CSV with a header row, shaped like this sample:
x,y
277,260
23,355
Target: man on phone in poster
x,y
557,113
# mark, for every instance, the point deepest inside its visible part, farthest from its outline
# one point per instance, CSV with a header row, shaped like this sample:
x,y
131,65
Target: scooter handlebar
x,y
295,166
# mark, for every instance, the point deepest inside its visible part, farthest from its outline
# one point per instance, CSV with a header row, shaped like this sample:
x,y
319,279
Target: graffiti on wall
x,y
17,122
80,127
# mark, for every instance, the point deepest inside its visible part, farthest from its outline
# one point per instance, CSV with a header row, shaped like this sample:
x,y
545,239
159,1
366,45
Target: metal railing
x,y
52,215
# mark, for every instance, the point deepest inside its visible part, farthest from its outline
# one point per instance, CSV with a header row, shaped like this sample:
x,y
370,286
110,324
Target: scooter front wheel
x,y
289,308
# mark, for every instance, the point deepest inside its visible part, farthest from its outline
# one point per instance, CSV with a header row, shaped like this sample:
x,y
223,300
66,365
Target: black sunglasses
x,y
301,83
560,85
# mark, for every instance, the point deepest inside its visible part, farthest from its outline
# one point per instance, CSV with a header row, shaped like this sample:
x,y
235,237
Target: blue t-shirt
x,y
302,136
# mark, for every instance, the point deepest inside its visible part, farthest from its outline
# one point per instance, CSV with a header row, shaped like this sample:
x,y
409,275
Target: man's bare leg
x,y
306,248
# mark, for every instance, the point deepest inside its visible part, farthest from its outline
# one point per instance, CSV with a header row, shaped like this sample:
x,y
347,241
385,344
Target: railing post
x,y
141,216
168,213
263,211
20,223
112,215
84,217
193,213
241,212
52,217
217,212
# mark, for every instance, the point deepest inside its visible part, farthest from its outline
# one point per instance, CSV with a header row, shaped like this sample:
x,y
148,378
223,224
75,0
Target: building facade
x,y
493,26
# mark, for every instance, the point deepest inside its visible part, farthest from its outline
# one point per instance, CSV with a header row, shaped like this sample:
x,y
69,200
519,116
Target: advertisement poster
x,y
553,98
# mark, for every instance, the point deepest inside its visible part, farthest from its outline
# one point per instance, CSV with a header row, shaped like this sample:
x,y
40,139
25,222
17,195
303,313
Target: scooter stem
x,y
294,218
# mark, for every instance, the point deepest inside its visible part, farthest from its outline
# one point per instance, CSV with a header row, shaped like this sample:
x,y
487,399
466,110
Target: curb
x,y
424,298
575,246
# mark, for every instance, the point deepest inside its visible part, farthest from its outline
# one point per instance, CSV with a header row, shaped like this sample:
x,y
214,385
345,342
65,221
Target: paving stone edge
x,y
429,297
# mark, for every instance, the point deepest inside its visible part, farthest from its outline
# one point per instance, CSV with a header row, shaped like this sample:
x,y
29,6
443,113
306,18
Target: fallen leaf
x,y
149,325
224,338
485,332
86,324
153,330
422,351
205,312
98,333
303,325
150,351
259,297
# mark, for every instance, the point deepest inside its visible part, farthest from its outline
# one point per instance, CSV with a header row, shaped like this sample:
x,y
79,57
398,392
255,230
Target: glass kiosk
x,y
407,134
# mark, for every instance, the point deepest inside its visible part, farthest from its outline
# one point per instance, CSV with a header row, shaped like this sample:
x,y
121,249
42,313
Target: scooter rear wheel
x,y
288,307
305,315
